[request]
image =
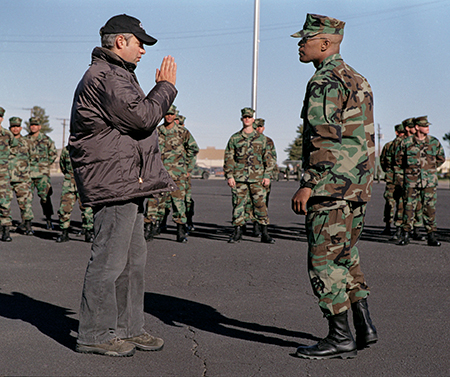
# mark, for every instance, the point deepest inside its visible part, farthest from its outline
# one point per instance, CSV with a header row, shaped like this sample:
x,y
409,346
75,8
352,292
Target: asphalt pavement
x,y
228,309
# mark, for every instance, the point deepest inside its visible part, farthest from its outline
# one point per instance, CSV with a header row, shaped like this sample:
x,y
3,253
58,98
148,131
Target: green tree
x,y
295,149
39,112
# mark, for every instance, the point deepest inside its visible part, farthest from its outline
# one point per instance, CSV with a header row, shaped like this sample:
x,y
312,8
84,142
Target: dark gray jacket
x,y
113,146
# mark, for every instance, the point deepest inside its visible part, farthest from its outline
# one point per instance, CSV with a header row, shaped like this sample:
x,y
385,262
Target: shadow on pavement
x,y
173,311
51,320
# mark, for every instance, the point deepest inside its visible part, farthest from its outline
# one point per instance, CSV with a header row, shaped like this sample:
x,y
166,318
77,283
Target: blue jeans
x,y
112,302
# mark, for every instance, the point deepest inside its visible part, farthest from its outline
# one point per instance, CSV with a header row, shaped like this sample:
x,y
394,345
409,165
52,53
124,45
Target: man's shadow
x,y
176,311
51,320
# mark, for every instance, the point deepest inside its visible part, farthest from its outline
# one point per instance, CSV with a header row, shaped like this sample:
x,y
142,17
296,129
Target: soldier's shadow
x,y
51,320
176,311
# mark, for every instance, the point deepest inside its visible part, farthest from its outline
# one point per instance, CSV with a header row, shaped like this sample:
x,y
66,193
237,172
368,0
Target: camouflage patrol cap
x,y
247,111
422,121
15,121
172,110
408,123
181,119
259,122
317,24
399,128
2,112
35,120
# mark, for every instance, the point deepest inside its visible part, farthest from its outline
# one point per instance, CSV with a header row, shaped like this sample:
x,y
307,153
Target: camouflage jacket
x,y
339,135
43,154
7,140
386,164
19,161
397,167
248,157
66,165
419,160
178,150
273,152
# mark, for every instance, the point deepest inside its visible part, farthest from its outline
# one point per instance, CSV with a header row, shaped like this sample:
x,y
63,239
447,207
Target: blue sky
x,y
400,46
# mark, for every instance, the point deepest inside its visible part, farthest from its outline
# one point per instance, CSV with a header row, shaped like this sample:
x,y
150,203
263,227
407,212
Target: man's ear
x,y
326,44
120,42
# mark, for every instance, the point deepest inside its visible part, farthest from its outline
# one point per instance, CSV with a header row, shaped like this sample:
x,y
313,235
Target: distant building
x,y
210,157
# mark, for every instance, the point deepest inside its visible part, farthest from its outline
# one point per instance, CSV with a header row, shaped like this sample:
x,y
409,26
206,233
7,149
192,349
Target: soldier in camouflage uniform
x,y
420,156
338,162
259,126
43,155
393,208
7,141
69,195
178,152
19,170
248,167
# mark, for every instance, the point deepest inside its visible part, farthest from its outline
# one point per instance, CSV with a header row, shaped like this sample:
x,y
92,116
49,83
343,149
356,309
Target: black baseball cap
x,y
127,24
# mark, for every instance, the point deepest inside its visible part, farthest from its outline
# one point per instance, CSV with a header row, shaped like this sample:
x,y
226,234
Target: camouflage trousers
x,y
189,202
253,193
393,207
156,206
69,195
420,202
5,200
334,228
44,189
249,215
24,198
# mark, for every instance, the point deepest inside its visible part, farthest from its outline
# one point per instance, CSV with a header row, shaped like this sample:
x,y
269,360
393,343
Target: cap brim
x,y
303,34
146,39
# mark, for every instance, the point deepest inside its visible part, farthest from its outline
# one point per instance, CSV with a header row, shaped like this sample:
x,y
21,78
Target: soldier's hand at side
x,y
300,199
266,182
231,182
168,70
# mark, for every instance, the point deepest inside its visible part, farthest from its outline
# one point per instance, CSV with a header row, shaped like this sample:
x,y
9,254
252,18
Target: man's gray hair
x,y
108,40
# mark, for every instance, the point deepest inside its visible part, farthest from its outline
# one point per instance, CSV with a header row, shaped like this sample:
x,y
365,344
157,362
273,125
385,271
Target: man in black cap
x,y
114,152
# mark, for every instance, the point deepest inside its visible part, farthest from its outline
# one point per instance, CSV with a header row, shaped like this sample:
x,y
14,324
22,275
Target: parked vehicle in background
x,y
200,172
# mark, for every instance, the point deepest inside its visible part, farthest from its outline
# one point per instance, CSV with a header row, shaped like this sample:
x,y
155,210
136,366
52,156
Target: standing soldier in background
x,y
7,141
248,167
19,170
339,162
392,192
69,195
421,155
43,154
178,152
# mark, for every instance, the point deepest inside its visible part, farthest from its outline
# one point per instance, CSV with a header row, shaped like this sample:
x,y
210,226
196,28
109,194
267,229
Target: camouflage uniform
x,y
43,154
7,141
178,152
420,160
19,169
69,195
338,159
248,159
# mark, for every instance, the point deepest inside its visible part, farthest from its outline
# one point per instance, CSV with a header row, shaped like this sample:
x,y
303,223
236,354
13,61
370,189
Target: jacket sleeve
x,y
191,148
129,110
324,135
228,162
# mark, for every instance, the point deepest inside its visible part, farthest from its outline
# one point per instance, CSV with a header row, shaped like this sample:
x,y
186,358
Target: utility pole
x,y
64,131
255,55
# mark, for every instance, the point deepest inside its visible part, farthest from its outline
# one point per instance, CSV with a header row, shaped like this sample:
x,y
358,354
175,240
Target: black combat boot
x,y
397,234
181,233
404,239
387,230
6,237
89,236
28,231
416,235
256,229
148,231
64,236
338,343
236,236
265,235
366,333
432,241
163,223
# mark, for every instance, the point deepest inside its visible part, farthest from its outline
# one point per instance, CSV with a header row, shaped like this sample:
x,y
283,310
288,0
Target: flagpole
x,y
255,56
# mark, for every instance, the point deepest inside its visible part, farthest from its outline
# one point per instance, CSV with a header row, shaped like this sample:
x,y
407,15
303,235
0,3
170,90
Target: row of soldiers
x,y
410,163
25,166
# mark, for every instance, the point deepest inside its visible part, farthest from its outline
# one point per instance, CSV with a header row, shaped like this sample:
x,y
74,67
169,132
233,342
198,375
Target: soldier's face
x,y
423,129
247,121
15,130
35,128
1,120
309,49
169,118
